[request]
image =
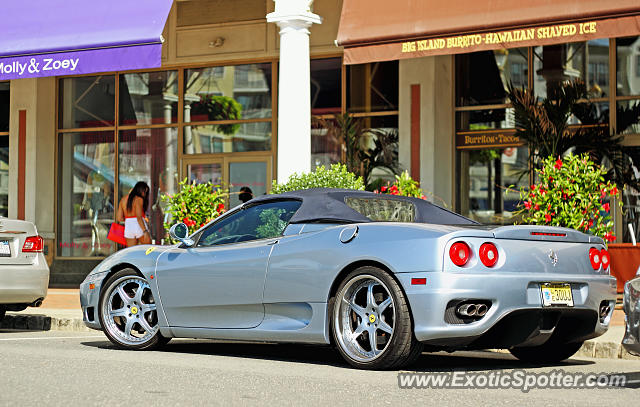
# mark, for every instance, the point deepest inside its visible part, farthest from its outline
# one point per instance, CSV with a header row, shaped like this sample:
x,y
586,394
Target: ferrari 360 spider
x,y
380,277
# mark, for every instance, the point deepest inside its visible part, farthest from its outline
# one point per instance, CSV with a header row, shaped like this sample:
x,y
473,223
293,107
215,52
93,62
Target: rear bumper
x,y
23,284
516,304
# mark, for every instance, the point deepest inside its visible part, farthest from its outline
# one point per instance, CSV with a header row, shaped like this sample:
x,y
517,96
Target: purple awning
x,y
70,37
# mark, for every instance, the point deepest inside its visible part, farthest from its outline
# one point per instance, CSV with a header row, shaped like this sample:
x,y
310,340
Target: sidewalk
x,y
61,311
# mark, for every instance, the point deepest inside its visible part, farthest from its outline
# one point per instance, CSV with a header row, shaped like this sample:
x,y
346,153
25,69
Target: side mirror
x,y
180,232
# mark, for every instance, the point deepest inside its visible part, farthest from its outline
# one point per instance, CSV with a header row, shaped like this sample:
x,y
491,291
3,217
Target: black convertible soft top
x,y
330,205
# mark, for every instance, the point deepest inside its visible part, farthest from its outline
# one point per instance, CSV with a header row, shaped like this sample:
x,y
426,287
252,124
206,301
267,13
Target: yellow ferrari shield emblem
x,y
134,310
149,250
372,318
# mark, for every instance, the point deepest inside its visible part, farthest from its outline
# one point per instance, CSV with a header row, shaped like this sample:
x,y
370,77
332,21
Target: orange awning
x,y
381,30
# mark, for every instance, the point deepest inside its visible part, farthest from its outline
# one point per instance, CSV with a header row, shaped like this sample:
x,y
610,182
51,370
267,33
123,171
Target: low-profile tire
x,y
549,352
371,322
127,312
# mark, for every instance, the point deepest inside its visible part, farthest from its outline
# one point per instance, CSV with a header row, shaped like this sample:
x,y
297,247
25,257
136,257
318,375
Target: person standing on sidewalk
x,y
131,211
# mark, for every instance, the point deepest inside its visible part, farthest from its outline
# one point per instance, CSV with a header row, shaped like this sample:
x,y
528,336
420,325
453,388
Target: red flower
x,y
614,191
550,179
609,237
383,189
423,197
606,207
590,223
537,207
375,191
547,218
564,196
220,207
558,164
532,187
393,190
527,204
549,207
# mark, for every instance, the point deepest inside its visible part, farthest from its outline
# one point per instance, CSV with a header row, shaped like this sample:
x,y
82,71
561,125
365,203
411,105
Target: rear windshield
x,y
383,210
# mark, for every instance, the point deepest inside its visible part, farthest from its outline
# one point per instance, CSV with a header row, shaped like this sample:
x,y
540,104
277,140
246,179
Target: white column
x,y
294,17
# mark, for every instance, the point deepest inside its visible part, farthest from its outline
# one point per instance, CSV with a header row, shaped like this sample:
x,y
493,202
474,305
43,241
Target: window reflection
x,y
149,98
150,155
228,93
227,138
4,106
372,87
482,77
589,61
489,183
628,66
85,193
87,101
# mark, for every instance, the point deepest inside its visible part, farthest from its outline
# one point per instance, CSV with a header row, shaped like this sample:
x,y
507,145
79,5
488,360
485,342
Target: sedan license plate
x,y
556,294
5,249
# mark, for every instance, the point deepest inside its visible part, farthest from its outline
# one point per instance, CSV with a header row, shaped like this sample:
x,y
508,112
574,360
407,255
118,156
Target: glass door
x,y
245,177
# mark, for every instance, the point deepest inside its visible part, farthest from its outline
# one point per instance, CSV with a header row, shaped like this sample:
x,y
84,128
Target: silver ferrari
x,y
380,277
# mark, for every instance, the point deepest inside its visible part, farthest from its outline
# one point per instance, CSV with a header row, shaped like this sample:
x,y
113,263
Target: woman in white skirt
x,y
131,210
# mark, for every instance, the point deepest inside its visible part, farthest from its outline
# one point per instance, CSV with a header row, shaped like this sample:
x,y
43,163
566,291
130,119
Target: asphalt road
x,y
83,368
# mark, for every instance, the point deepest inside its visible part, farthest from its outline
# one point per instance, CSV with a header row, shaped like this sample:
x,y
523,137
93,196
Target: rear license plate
x,y
556,294
5,249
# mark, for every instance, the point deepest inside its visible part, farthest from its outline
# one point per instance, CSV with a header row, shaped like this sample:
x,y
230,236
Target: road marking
x,y
51,337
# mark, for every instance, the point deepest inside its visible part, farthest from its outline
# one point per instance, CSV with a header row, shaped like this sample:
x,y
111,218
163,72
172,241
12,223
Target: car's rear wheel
x,y
128,312
549,352
371,321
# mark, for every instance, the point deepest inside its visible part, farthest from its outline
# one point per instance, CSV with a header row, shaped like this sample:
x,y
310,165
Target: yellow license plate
x,y
554,294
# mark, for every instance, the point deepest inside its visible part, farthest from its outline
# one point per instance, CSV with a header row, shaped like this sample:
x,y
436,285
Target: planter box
x,y
625,260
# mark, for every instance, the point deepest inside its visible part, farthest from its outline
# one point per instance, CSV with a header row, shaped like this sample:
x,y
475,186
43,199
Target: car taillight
x,y
594,258
33,244
488,254
459,253
604,258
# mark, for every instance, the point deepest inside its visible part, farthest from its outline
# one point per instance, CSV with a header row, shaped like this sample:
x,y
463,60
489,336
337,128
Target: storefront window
x,y
150,155
482,77
227,138
628,66
87,101
326,102
4,107
85,193
149,98
589,61
489,181
228,93
372,87
4,149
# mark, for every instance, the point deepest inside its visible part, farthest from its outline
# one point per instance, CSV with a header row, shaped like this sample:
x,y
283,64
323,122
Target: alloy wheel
x,y
364,318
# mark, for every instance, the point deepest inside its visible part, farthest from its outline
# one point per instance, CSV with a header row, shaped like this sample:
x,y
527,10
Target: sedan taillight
x,y
488,254
459,253
33,244
595,258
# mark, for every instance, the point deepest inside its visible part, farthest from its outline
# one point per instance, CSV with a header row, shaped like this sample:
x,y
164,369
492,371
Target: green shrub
x,y
403,185
335,177
571,192
195,205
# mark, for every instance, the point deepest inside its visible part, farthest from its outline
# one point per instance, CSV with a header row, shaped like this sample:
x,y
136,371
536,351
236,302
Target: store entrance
x,y
252,172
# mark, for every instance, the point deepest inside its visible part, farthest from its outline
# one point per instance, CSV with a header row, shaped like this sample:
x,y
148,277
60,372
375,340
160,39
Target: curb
x,y
42,323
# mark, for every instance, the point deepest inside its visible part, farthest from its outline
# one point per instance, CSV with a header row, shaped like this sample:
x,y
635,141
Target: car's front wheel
x,y
549,352
371,321
128,312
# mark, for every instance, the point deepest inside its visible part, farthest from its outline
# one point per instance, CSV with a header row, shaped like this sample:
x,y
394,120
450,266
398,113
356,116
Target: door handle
x,y
272,243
